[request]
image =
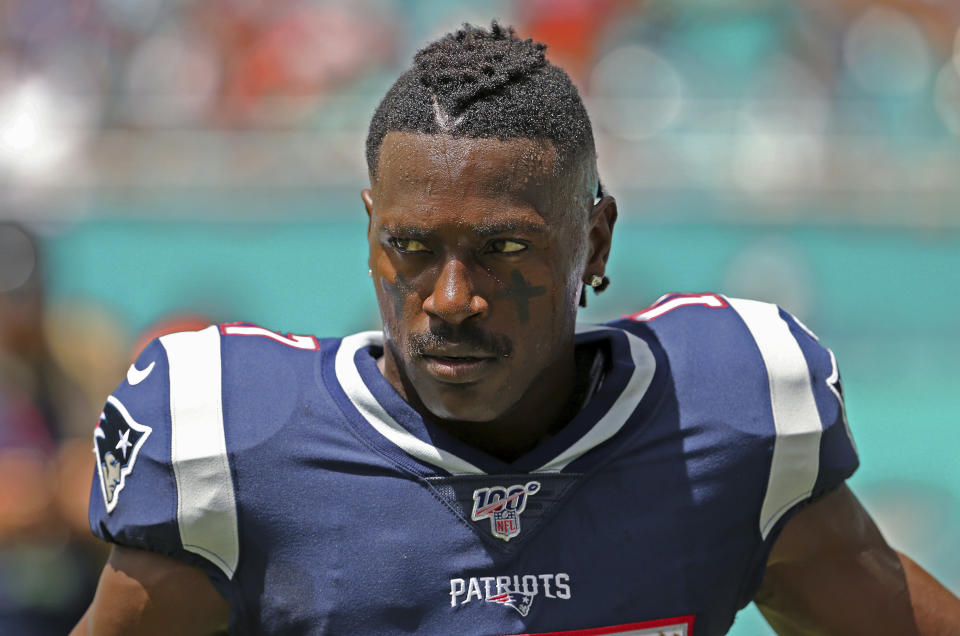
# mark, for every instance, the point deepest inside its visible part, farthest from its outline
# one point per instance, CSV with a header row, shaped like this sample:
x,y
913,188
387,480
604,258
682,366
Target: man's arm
x,y
832,572
141,593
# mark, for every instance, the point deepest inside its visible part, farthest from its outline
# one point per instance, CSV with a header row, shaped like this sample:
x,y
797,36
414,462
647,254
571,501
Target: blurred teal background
x,y
804,153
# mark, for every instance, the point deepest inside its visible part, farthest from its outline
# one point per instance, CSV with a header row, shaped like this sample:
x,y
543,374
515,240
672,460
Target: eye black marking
x,y
398,292
520,292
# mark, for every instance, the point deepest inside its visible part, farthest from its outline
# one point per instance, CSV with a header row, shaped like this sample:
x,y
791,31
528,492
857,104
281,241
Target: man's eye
x,y
408,245
506,246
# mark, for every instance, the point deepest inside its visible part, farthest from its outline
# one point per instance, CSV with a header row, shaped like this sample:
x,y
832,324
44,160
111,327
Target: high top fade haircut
x,y
486,84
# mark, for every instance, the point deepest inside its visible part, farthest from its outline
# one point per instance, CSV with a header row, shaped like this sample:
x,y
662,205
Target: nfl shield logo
x,y
506,524
503,505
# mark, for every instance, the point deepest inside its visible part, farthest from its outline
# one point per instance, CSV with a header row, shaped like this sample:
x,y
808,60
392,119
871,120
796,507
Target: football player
x,y
485,465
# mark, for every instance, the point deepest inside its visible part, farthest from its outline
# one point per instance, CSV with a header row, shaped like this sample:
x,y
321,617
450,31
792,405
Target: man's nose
x,y
454,298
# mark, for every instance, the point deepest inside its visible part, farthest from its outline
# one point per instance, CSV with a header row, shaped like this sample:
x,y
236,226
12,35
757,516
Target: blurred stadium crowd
x,y
855,96
186,122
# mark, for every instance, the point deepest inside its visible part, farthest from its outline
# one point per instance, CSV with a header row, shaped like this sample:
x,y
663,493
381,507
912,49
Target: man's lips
x,y
459,368
451,350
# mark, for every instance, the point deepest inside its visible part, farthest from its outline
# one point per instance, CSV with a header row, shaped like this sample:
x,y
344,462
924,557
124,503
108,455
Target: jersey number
x,y
674,301
308,343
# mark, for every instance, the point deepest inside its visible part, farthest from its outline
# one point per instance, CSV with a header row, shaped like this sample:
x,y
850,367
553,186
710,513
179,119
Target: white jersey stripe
x,y
206,507
796,450
361,397
710,300
608,426
644,366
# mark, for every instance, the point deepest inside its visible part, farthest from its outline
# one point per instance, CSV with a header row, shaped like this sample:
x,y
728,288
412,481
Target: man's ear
x,y
602,218
367,195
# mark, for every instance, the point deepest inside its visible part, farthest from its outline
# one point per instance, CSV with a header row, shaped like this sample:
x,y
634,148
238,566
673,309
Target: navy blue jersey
x,y
319,502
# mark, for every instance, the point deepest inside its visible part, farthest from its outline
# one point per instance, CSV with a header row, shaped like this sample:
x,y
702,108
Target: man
x,y
486,466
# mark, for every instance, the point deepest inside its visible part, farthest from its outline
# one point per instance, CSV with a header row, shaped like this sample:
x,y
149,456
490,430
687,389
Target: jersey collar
x,y
388,422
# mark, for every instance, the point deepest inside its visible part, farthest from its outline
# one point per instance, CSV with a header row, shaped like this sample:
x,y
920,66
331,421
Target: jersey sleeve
x,y
837,459
762,401
162,481
811,449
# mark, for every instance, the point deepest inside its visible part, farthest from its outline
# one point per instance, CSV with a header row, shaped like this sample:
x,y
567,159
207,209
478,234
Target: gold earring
x,y
595,281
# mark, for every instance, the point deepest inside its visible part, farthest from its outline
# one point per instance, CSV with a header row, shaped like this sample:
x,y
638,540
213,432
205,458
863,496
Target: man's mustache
x,y
470,336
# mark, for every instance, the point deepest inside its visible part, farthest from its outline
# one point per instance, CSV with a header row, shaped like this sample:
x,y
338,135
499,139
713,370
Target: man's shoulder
x,y
243,375
180,371
189,394
753,385
691,329
194,409
251,355
691,313
707,324
752,357
248,333
232,343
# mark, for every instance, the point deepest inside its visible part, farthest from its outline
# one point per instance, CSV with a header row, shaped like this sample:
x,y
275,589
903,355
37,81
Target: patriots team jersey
x,y
319,502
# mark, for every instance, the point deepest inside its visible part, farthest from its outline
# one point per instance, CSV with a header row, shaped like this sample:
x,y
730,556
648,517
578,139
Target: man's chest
x,y
505,554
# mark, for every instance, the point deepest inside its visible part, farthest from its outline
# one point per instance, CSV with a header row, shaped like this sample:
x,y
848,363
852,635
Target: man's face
x,y
477,251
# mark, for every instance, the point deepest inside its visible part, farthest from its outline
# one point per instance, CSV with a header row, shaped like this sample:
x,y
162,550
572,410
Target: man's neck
x,y
552,400
523,426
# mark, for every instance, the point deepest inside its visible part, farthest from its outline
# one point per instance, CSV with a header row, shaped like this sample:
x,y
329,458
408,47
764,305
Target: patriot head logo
x,y
116,442
517,600
503,505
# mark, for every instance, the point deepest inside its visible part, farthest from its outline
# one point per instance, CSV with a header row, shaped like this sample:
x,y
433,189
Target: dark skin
x,y
832,572
397,291
146,594
469,207
480,252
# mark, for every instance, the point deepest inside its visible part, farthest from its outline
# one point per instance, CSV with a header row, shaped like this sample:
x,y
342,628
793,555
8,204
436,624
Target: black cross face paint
x,y
520,292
